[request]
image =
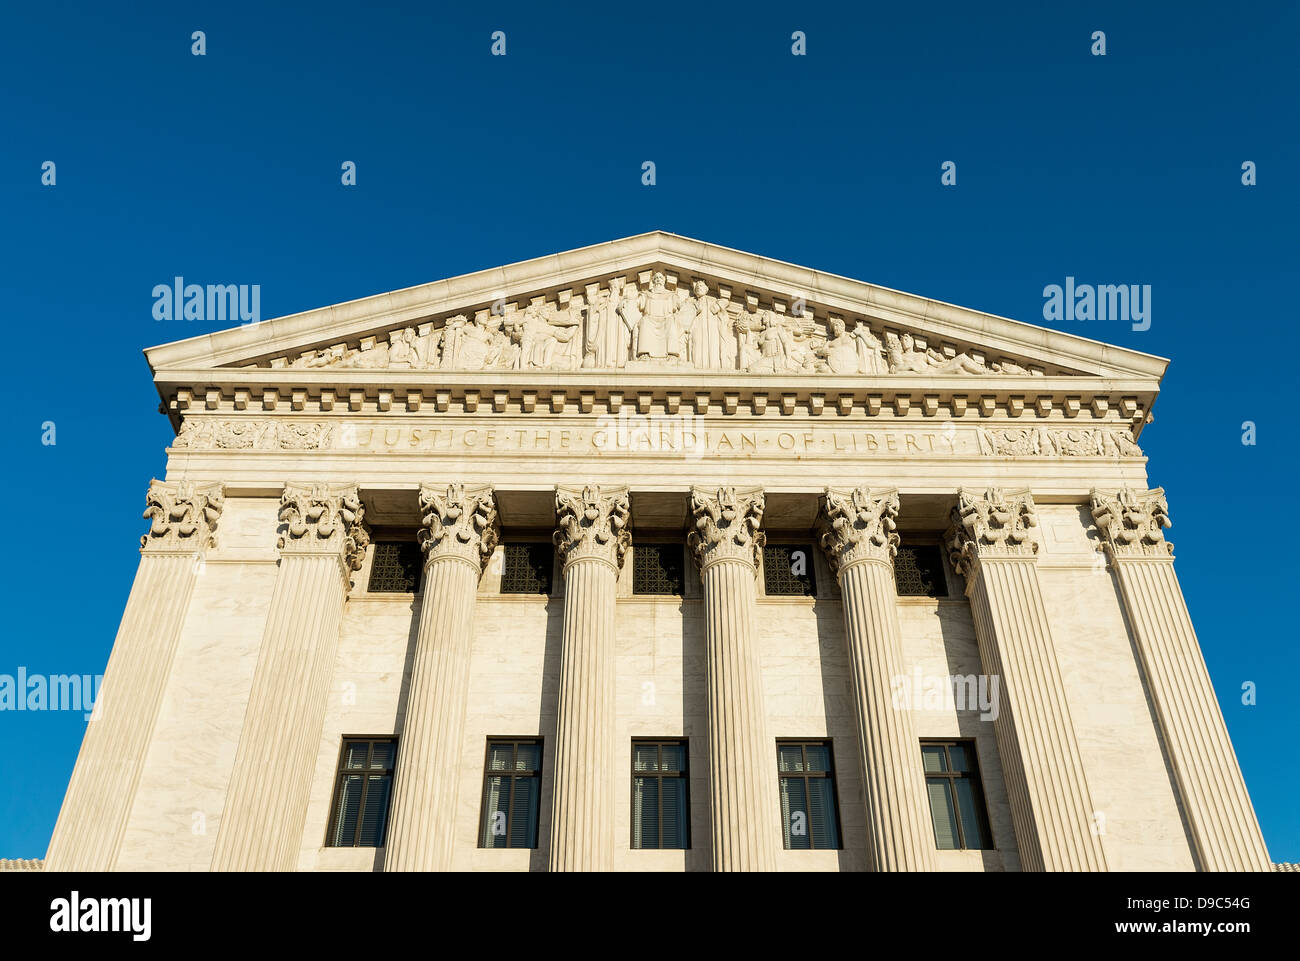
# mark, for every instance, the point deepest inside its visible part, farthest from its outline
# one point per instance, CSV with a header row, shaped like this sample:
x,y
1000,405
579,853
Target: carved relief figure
x,y
871,354
776,348
540,336
476,345
704,321
845,353
906,358
402,349
657,336
608,338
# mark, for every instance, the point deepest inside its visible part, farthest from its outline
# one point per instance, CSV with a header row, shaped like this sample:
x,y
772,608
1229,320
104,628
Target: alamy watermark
x,y
181,301
1126,302
947,693
50,692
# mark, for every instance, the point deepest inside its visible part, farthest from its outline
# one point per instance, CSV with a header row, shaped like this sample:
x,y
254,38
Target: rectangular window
x,y
952,781
396,568
809,814
657,569
661,809
512,788
526,568
918,572
788,571
359,814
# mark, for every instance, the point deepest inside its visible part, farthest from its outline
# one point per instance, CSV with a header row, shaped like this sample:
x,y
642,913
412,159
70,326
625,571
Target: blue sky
x,y
226,169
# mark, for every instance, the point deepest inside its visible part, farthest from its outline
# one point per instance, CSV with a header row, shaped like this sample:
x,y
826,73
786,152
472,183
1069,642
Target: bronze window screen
x,y
526,568
658,569
396,568
918,571
788,570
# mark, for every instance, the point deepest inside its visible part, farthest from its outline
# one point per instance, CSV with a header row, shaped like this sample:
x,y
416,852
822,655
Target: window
x,y
396,568
660,795
657,569
359,815
918,572
956,800
788,571
526,568
809,815
512,787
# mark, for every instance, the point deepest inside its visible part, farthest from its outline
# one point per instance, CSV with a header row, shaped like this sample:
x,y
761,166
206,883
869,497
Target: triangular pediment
x,y
656,303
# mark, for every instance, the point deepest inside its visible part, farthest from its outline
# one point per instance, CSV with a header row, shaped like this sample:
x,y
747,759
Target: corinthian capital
x,y
726,525
593,524
184,515
458,521
1132,523
858,525
993,524
324,518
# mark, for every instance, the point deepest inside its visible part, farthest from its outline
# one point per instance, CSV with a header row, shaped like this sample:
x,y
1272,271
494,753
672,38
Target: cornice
x,y
1018,399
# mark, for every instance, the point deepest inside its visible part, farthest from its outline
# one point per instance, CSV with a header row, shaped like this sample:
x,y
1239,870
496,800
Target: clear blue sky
x,y
225,169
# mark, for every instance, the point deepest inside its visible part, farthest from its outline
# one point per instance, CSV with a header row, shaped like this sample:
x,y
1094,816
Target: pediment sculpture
x,y
653,326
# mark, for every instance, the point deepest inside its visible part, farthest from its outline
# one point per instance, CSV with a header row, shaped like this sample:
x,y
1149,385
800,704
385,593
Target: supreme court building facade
x,y
655,555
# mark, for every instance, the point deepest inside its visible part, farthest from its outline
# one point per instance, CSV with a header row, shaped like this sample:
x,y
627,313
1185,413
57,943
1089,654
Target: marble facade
x,y
649,390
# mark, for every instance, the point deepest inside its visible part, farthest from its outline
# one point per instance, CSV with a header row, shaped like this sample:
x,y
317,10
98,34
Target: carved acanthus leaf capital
x,y
324,518
184,516
593,524
1132,523
858,525
726,525
993,524
458,521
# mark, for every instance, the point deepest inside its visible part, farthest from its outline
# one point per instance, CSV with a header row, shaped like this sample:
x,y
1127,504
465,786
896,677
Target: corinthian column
x,y
592,539
459,530
860,543
742,762
1213,793
323,542
991,545
96,808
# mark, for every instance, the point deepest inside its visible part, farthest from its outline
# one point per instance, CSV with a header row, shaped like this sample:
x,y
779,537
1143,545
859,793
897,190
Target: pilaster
x,y
92,821
991,543
1222,821
323,541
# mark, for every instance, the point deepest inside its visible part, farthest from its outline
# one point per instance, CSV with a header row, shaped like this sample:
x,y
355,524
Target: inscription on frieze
x,y
682,436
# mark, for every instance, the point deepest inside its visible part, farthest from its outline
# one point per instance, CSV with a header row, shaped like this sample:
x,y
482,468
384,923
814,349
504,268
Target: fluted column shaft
x,y
460,530
97,806
858,535
582,823
1210,785
270,783
1051,806
592,539
742,763
900,836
